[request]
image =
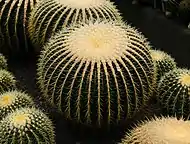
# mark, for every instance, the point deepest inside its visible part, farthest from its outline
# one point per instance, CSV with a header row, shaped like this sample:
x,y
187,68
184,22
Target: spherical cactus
x,y
3,62
165,130
174,92
98,72
26,125
14,15
49,16
12,100
7,81
163,62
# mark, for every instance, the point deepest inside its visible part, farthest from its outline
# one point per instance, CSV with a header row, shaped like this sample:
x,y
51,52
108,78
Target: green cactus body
x,y
12,100
14,15
49,16
100,72
7,81
164,130
163,63
174,92
27,126
3,62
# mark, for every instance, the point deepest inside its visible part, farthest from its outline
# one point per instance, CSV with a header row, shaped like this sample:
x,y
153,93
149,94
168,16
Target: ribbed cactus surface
x,y
12,100
174,93
26,126
163,63
7,80
49,16
14,15
165,130
97,72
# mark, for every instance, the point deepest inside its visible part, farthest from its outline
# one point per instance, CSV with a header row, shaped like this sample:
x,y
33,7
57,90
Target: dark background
x,y
164,34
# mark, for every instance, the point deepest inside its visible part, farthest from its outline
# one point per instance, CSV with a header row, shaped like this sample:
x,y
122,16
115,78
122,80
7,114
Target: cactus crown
x,y
159,55
97,41
82,4
184,78
160,130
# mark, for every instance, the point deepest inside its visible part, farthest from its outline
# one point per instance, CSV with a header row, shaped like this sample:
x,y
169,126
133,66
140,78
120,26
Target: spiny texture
x,y
7,80
14,15
26,126
3,62
49,16
174,92
12,100
100,72
163,62
164,130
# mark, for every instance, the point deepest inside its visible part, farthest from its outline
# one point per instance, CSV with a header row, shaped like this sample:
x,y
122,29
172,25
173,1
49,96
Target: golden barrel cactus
x,y
163,63
97,72
27,126
174,92
164,130
49,16
12,100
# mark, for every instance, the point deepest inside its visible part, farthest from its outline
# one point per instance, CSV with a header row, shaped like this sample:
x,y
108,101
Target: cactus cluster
x,y
14,15
26,126
174,93
50,16
164,130
97,72
12,100
163,63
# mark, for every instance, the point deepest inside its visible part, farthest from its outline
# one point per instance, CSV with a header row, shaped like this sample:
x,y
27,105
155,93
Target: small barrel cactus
x,y
14,15
164,130
7,80
174,92
3,62
97,72
12,100
49,16
163,63
26,126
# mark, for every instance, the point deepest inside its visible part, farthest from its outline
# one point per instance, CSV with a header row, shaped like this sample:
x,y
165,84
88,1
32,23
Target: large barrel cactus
x,y
164,130
98,72
12,100
26,126
49,16
14,15
163,63
174,93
